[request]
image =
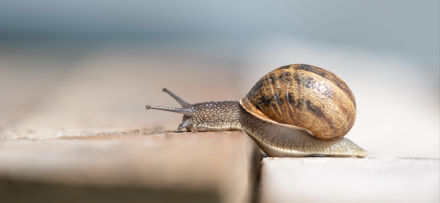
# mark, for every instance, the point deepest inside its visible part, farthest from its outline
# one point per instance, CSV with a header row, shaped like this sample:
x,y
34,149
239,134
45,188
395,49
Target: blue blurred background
x,y
407,27
87,66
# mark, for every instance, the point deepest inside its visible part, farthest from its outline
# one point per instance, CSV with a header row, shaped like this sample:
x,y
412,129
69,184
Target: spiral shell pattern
x,y
304,96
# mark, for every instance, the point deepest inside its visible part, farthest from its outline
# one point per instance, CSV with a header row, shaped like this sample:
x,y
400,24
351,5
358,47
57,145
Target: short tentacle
x,y
185,124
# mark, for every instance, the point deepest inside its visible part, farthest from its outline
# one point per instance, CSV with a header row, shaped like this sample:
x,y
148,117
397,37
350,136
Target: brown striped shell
x,y
306,97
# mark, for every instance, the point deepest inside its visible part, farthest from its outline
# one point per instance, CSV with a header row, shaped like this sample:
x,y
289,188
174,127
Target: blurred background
x,y
74,67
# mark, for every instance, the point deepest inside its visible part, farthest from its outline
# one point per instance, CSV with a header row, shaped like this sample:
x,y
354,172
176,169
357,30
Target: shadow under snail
x,y
294,111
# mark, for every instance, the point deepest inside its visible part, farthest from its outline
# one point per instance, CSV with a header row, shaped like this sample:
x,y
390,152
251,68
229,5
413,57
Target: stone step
x,y
349,180
164,167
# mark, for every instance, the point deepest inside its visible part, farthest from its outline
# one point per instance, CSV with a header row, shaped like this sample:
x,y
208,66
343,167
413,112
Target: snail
x,y
295,110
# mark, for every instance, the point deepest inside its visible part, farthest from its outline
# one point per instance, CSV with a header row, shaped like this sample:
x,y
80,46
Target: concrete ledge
x,y
219,167
349,180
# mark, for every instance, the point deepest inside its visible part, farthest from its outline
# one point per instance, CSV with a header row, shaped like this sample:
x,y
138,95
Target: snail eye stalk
x,y
183,103
185,111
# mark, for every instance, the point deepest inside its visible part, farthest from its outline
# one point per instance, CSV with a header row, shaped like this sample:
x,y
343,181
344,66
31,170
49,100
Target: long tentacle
x,y
183,103
184,111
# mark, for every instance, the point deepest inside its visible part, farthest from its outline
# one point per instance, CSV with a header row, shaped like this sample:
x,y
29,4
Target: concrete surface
x,y
350,180
187,167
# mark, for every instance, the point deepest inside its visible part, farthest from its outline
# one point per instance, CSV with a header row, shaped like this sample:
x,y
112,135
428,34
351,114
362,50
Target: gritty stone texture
x,y
218,165
349,180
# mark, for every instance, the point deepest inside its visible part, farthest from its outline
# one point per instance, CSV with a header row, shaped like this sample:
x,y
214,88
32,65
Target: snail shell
x,y
305,97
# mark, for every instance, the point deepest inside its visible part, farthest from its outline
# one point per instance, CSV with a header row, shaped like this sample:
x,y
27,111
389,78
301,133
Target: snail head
x,y
186,109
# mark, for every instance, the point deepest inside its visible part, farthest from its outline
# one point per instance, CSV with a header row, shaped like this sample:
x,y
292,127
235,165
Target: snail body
x,y
293,111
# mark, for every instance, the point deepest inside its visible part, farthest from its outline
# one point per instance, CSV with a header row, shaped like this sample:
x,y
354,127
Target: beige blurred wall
x,y
51,92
